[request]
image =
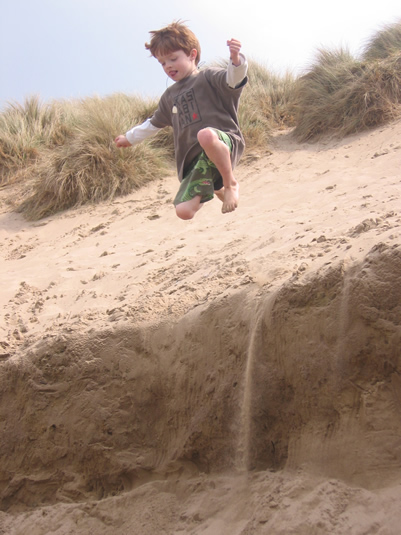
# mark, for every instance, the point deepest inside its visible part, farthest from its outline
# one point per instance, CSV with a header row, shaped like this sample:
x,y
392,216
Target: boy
x,y
202,109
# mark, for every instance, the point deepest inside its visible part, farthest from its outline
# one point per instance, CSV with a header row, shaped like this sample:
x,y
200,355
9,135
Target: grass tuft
x,y
89,168
265,105
25,129
341,95
383,43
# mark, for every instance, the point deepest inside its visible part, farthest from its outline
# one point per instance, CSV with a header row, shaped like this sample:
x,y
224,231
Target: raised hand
x,y
235,46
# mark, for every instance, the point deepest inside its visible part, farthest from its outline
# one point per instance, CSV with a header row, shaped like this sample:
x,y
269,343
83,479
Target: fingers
x,y
234,44
235,47
121,141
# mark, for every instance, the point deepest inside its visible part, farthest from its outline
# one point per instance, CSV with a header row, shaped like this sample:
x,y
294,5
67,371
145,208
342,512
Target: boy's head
x,y
175,36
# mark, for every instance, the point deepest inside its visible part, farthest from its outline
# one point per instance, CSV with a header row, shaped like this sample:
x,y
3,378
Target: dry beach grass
x,y
63,151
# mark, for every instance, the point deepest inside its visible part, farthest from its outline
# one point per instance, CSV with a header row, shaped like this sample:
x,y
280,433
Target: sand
x,y
235,374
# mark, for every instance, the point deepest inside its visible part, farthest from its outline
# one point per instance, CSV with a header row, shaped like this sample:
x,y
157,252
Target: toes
x,y
228,208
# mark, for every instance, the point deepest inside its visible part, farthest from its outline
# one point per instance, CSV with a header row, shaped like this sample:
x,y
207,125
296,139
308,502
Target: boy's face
x,y
177,65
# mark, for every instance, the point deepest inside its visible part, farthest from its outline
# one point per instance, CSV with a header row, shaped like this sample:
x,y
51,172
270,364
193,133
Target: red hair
x,y
175,36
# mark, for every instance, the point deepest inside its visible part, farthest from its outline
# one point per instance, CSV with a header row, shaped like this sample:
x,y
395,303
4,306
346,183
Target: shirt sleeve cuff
x,y
237,73
141,132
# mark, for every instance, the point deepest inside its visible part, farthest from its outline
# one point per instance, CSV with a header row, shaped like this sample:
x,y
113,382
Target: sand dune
x,y
237,374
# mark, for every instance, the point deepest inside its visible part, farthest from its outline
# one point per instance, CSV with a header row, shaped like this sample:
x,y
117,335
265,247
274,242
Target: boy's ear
x,y
193,54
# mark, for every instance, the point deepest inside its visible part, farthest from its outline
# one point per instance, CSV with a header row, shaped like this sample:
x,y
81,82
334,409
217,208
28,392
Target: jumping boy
x,y
202,108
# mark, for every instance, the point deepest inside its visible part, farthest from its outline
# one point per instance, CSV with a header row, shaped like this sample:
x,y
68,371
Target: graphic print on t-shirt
x,y
187,108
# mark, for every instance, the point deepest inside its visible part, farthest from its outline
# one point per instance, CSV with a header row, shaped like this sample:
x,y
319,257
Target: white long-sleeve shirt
x,y
235,76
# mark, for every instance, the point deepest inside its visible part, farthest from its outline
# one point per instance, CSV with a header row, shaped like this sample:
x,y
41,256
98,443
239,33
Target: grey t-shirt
x,y
201,100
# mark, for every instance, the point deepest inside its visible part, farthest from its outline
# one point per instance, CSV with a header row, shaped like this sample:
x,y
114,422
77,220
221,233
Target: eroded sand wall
x,y
307,376
326,383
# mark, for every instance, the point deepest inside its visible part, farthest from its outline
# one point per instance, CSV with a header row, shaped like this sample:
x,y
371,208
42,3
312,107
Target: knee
x,y
184,212
206,137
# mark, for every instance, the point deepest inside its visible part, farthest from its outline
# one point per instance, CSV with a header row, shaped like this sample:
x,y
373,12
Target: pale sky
x,y
78,48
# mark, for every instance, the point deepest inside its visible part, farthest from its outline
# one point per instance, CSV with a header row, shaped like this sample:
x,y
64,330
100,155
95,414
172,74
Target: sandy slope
x,y
235,374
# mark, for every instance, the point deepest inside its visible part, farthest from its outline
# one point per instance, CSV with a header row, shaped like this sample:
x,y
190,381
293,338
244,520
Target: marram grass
x,y
25,129
62,154
383,43
88,167
341,95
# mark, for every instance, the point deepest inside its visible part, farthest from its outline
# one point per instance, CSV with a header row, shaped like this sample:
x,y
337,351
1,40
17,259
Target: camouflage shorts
x,y
202,177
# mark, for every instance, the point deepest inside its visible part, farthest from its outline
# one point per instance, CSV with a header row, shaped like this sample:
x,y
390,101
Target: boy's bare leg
x,y
218,152
219,194
186,210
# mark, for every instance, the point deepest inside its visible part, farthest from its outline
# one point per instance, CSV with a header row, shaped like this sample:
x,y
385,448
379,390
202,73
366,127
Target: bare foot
x,y
231,197
219,194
